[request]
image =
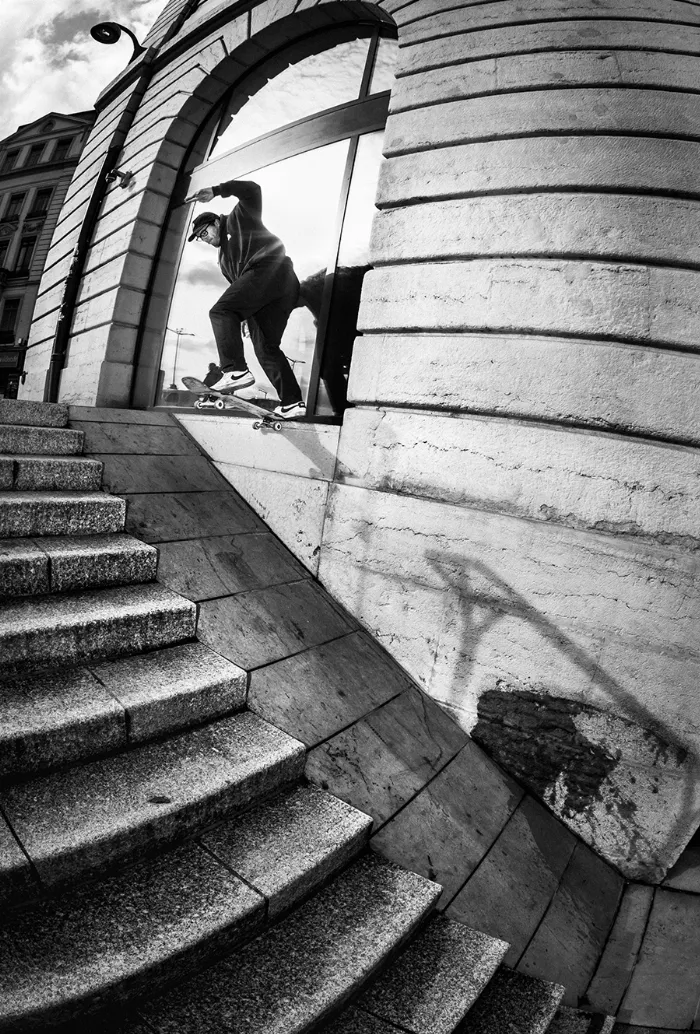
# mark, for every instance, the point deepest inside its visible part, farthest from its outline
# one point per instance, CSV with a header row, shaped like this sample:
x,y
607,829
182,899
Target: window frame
x,y
35,210
10,160
27,243
10,302
67,140
366,114
22,196
34,155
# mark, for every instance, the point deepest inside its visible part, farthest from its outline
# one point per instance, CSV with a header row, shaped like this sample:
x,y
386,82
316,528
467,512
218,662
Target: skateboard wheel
x,y
257,425
220,404
277,425
197,403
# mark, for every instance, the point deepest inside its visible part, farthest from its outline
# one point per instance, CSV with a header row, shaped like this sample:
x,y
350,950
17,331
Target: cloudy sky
x,y
49,60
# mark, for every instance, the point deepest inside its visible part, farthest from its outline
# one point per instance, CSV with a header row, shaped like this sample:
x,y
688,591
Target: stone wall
x,y
513,514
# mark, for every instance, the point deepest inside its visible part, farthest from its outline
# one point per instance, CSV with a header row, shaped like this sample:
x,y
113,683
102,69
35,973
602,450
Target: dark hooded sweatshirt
x,y
244,240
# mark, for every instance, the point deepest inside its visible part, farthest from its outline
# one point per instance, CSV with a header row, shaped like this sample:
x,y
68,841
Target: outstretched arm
x,y
248,193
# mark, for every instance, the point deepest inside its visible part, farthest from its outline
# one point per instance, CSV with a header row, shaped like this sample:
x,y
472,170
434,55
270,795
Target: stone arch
x,y
178,100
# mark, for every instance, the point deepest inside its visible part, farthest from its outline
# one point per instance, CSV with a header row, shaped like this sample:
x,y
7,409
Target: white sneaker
x,y
234,382
292,412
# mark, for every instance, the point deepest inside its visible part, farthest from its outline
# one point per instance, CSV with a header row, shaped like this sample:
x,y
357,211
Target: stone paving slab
x,y
80,562
16,876
510,891
102,943
320,691
56,718
172,688
45,441
261,626
296,974
170,516
355,1021
222,565
383,760
286,847
64,563
60,513
23,412
436,979
56,474
85,818
24,568
98,623
514,1004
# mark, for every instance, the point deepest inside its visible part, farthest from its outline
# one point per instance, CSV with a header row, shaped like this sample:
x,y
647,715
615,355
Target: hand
x,y
205,194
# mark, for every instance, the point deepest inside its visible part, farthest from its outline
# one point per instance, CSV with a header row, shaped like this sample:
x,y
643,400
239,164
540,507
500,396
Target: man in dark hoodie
x,y
264,290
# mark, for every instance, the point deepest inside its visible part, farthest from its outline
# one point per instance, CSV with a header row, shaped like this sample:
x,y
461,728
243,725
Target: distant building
x,y
36,165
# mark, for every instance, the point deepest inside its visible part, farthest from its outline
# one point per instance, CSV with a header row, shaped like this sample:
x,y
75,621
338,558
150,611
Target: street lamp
x,y
180,333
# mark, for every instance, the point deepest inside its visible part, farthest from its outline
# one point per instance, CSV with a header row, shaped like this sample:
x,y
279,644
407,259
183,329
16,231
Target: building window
x,y
34,156
41,201
15,206
313,133
10,312
9,161
61,149
24,255
4,248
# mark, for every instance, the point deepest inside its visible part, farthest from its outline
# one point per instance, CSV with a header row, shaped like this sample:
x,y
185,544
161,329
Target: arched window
x,y
311,137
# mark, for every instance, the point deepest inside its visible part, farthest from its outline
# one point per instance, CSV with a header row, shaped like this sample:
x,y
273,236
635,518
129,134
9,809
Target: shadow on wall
x,y
622,784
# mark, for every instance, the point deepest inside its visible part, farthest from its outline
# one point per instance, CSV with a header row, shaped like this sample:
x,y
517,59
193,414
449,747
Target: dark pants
x,y
264,296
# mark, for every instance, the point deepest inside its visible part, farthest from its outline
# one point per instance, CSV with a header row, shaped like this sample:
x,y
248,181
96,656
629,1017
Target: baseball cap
x,y
200,221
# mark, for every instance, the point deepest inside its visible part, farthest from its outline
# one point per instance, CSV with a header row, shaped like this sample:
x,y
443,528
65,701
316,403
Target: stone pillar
x,y
521,504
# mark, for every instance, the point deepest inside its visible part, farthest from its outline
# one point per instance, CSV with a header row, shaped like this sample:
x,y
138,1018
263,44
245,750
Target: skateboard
x,y
231,401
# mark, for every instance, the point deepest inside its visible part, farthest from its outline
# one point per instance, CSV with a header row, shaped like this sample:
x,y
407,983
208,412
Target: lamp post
x,y
180,332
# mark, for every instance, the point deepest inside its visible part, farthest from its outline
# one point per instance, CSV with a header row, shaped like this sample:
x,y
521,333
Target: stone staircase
x,y
164,867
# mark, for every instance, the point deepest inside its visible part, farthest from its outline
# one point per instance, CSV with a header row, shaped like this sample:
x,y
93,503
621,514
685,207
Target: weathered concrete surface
x,y
471,602
586,225
517,71
523,40
542,163
561,380
576,478
543,112
610,780
650,304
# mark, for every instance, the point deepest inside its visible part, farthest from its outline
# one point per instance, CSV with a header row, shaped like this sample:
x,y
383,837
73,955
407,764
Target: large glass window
x,y
311,137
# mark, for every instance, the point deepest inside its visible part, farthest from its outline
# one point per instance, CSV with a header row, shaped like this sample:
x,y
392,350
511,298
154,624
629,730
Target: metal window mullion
x,y
327,297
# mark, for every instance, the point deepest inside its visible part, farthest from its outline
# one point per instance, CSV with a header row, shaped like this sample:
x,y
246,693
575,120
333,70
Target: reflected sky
x,y
314,84
300,201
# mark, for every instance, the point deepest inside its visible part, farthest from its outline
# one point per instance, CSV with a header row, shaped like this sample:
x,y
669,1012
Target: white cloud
x,y
51,63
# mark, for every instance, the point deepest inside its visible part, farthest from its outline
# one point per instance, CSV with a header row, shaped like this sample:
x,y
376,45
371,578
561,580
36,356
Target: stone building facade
x,y
510,504
36,165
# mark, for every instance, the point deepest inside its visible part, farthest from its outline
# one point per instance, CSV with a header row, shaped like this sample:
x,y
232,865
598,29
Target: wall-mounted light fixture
x,y
124,178
109,32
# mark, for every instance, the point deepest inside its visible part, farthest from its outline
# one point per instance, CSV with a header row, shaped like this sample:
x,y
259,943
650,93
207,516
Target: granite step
x,y
164,919
514,1003
435,981
68,563
60,513
27,413
71,628
40,441
50,474
88,818
294,976
60,717
575,1021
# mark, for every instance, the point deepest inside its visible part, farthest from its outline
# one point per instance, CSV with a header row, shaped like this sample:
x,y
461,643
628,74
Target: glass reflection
x,y
314,84
300,199
384,65
353,263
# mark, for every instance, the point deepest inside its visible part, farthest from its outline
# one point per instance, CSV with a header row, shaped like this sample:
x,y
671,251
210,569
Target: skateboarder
x,y
264,290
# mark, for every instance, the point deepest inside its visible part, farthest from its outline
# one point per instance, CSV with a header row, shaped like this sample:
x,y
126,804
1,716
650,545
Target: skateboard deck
x,y
227,400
